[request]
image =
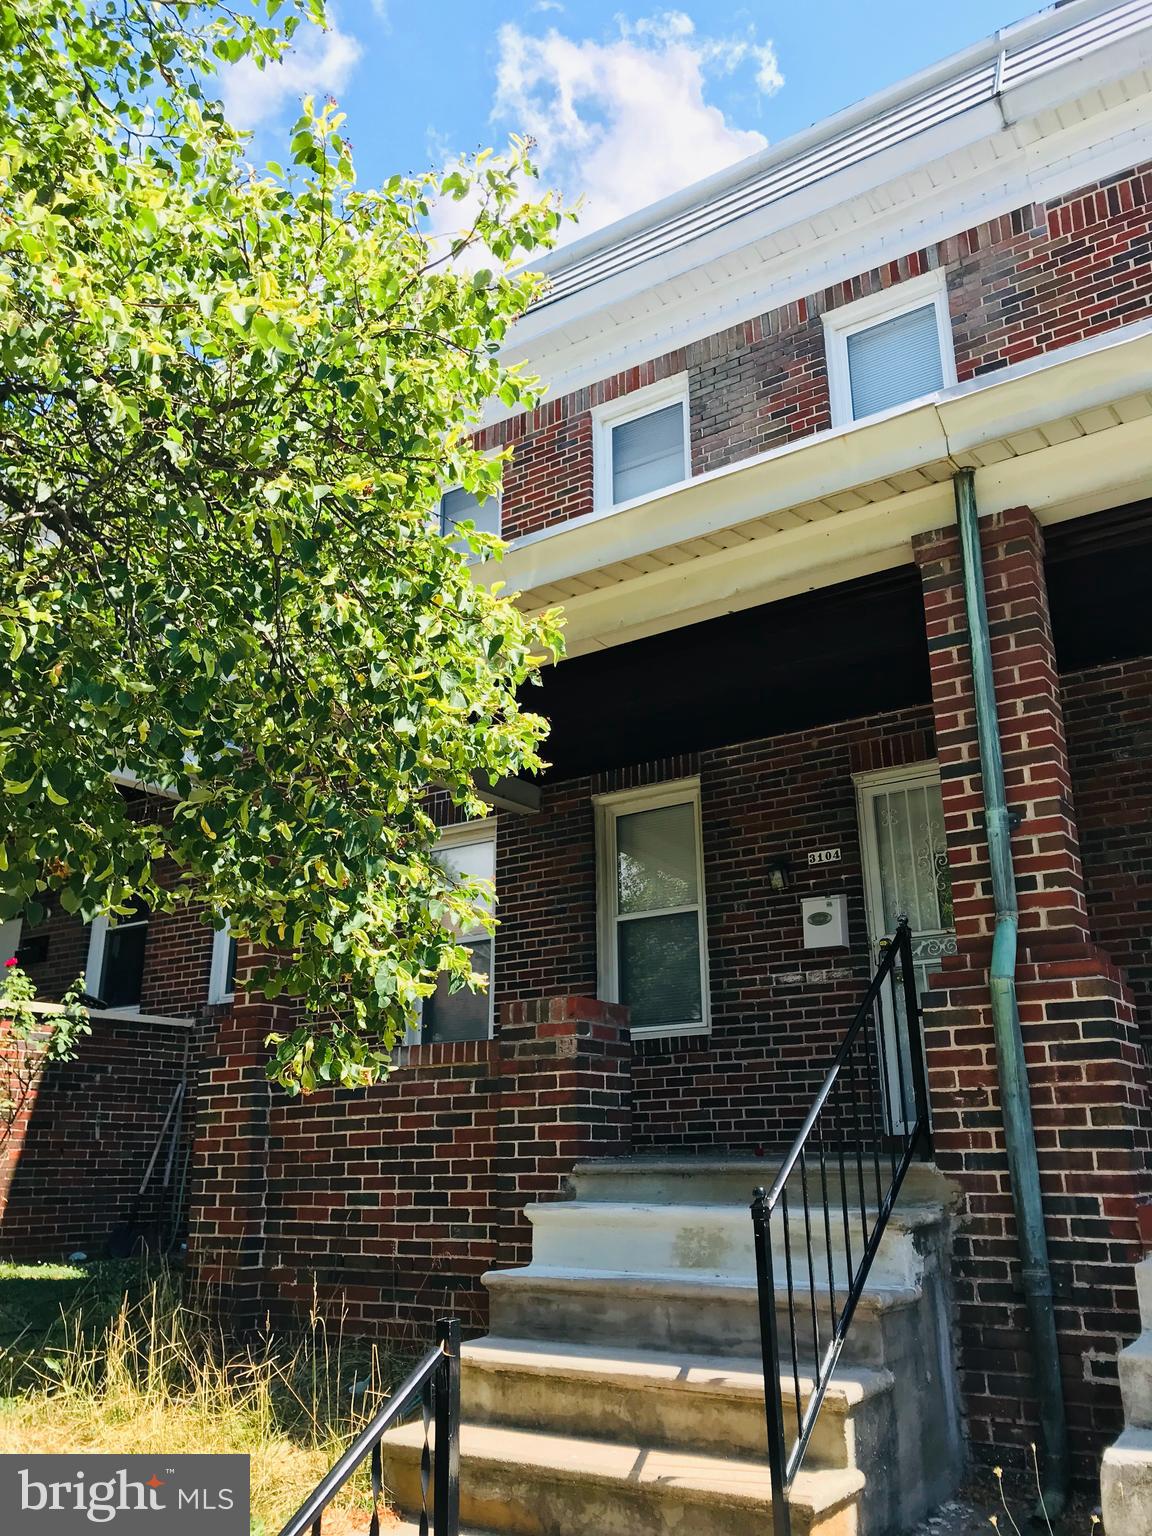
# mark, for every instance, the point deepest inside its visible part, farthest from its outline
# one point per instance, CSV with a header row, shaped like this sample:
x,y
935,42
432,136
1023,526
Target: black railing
x,y
435,1385
835,1190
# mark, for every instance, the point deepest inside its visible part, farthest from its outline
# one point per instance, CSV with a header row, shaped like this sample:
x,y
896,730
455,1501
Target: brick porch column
x,y
1087,1071
566,1068
226,1238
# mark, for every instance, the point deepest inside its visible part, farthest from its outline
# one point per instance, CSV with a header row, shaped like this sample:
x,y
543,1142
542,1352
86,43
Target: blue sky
x,y
628,101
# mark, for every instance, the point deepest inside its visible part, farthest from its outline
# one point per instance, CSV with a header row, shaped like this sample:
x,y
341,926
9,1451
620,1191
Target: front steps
x,y
620,1392
1126,1473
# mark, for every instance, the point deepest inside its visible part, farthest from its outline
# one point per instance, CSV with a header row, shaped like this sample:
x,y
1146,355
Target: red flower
x,y
8,964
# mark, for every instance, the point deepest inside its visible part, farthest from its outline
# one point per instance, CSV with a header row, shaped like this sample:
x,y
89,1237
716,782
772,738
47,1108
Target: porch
x,y
834,723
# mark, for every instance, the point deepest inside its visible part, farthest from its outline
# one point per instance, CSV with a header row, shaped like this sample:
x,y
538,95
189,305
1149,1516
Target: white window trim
x,y
482,830
839,324
609,808
94,965
218,988
614,413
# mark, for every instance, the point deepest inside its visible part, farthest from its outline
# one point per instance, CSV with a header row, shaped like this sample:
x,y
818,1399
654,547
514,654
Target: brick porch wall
x,y
387,1205
1108,716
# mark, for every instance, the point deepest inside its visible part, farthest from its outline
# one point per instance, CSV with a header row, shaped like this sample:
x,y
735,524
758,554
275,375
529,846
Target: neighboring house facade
x,y
741,488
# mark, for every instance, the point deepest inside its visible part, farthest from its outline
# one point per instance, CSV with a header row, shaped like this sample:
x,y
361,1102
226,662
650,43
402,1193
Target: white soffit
x,y
1066,434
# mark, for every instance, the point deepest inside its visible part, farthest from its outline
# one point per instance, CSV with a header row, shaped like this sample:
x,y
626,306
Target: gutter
x,y
1015,1102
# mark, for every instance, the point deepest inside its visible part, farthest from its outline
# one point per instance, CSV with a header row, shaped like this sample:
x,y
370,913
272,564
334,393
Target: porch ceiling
x,y
1067,434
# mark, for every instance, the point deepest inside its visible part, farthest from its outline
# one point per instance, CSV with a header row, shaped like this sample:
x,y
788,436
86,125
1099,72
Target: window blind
x,y
894,361
462,507
648,453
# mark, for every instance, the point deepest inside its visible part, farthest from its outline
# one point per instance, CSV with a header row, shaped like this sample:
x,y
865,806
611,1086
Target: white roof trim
x,y
1011,59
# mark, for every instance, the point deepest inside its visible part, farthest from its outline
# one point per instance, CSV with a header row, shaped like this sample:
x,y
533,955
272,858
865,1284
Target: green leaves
x,y
231,400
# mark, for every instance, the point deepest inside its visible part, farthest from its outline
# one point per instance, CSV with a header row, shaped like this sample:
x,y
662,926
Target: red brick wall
x,y
1108,712
389,1204
1088,1074
1035,279
73,1161
777,1009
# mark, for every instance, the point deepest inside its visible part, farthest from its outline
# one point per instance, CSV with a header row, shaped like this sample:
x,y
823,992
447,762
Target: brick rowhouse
x,y
1088,1073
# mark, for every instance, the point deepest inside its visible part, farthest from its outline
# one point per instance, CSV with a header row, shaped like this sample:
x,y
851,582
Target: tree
x,y
230,401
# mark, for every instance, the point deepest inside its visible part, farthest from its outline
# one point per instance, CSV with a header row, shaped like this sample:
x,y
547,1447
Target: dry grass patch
x,y
154,1374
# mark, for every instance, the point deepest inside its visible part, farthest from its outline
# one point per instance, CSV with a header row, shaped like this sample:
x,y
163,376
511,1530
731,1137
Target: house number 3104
x,y
825,856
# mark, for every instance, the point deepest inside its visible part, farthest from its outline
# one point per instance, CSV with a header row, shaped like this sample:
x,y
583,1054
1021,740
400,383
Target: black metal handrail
x,y
435,1384
867,1122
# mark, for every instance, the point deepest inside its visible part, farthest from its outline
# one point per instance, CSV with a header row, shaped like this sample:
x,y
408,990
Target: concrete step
x,y
1126,1484
731,1180
1135,1364
701,1313
675,1401
661,1238
521,1483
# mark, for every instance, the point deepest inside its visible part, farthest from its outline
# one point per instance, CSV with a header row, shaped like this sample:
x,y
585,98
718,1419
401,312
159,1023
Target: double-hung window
x,y
467,852
653,944
889,348
641,442
116,948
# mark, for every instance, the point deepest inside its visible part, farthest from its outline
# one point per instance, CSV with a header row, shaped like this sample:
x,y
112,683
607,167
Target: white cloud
x,y
319,63
628,120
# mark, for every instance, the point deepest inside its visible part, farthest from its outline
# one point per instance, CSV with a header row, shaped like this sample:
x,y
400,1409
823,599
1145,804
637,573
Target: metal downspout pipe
x,y
1016,1106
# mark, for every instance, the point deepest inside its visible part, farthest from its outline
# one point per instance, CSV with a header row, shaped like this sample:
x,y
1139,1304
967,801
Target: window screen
x,y
648,453
658,916
462,507
897,360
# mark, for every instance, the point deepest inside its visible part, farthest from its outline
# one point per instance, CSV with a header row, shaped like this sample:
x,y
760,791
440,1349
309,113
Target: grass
x,y
111,1357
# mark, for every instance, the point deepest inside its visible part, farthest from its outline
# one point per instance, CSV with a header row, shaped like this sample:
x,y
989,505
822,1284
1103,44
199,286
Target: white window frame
x,y
862,314
483,830
218,989
614,413
609,808
94,965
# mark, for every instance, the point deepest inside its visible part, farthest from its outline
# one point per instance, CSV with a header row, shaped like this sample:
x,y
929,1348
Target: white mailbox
x,y
825,922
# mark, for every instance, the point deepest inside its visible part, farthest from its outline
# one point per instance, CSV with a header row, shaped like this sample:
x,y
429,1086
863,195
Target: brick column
x,y
566,1066
1086,1069
226,1227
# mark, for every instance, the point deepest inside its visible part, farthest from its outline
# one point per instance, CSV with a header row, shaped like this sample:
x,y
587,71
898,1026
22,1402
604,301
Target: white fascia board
x,y
1083,475
1081,377
1046,22
724,498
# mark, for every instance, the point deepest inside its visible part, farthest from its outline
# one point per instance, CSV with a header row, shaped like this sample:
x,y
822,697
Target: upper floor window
x,y
641,442
653,950
115,969
889,348
460,506
467,851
